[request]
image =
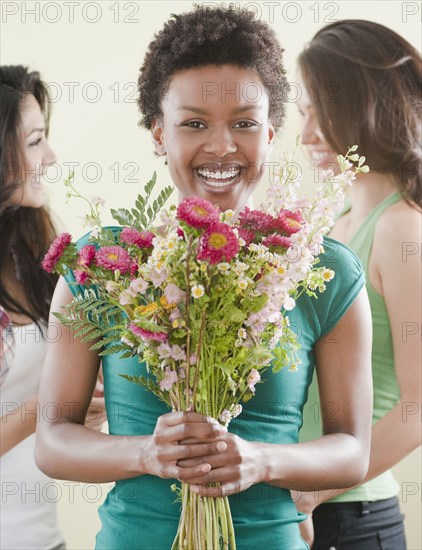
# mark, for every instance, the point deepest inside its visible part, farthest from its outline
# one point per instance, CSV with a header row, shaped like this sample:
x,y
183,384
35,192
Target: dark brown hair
x,y
365,82
212,36
26,233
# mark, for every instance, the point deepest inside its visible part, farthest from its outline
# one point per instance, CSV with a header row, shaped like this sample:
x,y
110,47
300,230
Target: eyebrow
x,y
203,112
35,130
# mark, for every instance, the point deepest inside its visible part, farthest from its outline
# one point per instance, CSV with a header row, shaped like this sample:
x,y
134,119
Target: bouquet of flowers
x,y
203,300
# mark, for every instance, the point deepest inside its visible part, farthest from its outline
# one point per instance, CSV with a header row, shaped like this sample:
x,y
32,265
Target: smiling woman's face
x,y
216,133
37,155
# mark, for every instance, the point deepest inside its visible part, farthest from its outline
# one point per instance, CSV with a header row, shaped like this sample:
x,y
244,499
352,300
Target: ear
x,y
271,135
157,131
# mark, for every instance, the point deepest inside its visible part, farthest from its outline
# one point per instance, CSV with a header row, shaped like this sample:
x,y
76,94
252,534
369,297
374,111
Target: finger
x,y
217,461
198,472
195,430
199,450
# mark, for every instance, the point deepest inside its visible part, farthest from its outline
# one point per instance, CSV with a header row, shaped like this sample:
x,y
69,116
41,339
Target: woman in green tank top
x,y
375,76
212,93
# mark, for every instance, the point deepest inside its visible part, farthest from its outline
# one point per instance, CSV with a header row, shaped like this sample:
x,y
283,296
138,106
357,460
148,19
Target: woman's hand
x,y
307,531
96,415
306,502
181,436
237,468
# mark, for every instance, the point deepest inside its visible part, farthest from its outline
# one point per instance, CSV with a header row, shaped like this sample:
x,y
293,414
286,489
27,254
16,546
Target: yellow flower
x,y
328,274
144,310
281,270
164,303
175,323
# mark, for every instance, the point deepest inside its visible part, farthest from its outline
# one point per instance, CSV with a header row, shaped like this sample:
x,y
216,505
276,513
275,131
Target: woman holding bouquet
x,y
375,77
212,92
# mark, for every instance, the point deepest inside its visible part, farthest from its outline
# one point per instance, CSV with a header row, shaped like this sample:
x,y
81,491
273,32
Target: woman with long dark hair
x,y
28,520
361,83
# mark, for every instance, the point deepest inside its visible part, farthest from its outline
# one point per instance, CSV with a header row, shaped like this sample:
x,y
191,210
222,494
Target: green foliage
x,y
143,215
93,319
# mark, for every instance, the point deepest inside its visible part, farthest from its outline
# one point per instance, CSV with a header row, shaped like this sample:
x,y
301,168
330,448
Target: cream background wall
x,y
89,52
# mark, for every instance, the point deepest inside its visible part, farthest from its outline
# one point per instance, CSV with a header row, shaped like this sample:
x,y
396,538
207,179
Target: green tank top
x,y
386,390
141,513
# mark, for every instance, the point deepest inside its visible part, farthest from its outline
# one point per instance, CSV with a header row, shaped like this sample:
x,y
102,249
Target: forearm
x,y
68,450
334,460
393,438
17,426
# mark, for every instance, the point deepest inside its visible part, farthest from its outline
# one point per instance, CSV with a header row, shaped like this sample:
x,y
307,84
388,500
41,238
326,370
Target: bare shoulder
x,y
398,230
397,245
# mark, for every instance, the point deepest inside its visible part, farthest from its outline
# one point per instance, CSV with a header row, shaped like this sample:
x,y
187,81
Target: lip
x,y
218,167
38,184
323,156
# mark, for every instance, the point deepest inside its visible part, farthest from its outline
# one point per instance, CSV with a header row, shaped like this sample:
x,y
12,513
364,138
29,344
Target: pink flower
x,y
81,277
143,239
157,277
113,257
125,298
164,350
197,212
86,255
57,248
276,241
218,243
177,353
253,378
175,314
287,222
247,235
170,378
254,220
173,294
138,286
111,286
148,334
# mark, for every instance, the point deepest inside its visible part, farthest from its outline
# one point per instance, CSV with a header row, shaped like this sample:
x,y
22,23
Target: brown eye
x,y
245,124
196,124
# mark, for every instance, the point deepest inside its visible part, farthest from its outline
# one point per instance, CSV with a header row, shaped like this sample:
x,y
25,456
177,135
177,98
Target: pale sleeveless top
x,y
386,389
28,517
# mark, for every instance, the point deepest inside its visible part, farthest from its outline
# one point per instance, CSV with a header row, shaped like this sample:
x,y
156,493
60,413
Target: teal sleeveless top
x,y
386,390
141,512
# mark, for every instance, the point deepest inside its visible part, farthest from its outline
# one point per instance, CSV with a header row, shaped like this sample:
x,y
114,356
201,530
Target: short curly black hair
x,y
212,36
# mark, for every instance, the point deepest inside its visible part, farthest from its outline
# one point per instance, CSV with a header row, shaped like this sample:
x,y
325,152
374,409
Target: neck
x,y
369,190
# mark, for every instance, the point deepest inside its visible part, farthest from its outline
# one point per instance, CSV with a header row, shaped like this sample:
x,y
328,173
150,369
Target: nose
x,y
220,142
309,130
49,155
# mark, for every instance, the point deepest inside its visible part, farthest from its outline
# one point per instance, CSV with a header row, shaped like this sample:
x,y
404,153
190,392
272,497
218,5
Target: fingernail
x,y
221,446
222,429
194,488
205,468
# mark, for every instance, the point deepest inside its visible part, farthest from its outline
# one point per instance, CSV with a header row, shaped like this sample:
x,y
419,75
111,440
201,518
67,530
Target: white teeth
x,y
217,175
320,155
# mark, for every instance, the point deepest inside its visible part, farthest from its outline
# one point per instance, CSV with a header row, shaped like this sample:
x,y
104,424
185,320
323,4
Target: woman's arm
x,y
340,457
398,267
18,425
66,449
